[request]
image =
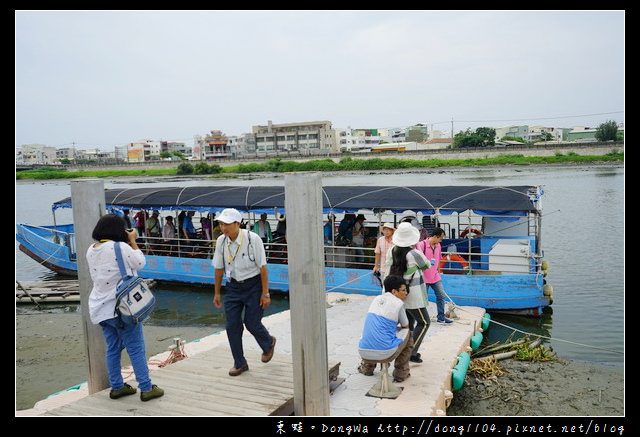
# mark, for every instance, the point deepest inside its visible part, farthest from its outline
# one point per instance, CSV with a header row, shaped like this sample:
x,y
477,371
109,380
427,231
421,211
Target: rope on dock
x,y
177,353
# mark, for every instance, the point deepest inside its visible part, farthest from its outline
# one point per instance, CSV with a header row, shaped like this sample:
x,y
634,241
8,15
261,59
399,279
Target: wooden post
x,y
307,295
87,198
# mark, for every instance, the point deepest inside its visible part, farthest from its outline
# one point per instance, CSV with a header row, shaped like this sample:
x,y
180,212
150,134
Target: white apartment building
x,y
532,133
306,138
366,139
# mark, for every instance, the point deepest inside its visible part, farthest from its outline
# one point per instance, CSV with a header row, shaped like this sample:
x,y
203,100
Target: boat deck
x,y
200,386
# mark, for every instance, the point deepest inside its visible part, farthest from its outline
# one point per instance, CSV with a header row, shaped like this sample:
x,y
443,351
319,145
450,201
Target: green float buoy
x,y
486,319
476,340
459,371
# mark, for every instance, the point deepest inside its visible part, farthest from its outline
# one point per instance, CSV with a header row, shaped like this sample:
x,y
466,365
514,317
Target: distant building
x,y
31,154
511,131
306,138
546,133
66,153
582,134
143,151
359,140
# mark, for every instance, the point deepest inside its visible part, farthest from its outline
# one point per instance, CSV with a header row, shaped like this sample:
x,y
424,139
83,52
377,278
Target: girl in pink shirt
x,y
432,250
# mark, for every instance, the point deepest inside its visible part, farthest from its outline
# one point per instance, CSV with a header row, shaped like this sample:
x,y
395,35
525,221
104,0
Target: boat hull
x,y
66,271
515,293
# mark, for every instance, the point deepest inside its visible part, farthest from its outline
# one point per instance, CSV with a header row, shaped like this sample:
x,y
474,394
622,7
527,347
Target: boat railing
x,y
478,263
354,257
53,234
178,247
338,256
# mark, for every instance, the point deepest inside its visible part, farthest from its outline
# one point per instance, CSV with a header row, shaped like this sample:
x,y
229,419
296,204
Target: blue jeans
x,y
118,337
438,289
238,297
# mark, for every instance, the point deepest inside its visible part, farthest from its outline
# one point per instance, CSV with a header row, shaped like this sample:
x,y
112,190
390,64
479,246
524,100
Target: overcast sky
x,y
106,78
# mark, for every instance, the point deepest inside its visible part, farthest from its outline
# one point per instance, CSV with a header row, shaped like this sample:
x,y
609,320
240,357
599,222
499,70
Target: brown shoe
x,y
267,357
235,372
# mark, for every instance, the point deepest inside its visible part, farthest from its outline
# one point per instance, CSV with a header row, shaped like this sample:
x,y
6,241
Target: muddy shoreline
x,y
546,388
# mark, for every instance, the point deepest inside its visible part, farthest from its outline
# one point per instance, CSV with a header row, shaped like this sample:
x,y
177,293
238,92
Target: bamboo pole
x,y
27,293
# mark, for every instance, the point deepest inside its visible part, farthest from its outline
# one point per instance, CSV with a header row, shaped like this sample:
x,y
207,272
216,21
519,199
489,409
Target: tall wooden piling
x,y
88,202
307,296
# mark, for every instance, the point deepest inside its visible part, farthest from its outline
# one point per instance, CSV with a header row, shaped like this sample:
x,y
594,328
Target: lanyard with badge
x,y
230,259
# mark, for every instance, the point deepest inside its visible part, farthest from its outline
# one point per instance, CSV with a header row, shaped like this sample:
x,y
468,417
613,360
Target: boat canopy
x,y
483,200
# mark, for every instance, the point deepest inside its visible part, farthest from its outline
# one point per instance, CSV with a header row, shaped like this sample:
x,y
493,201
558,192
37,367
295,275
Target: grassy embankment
x,y
345,164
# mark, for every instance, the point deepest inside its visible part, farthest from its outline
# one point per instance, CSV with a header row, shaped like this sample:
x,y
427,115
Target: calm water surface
x,y
583,241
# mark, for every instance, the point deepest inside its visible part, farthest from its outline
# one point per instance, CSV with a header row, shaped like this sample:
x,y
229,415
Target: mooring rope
x,y
539,335
344,283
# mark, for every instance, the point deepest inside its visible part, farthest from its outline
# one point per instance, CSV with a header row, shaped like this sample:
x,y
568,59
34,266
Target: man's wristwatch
x,y
266,295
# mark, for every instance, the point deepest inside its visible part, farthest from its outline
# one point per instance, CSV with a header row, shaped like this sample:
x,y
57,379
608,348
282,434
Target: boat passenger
x,y
188,231
127,219
383,245
433,251
205,224
169,233
152,225
345,230
358,233
281,228
329,229
263,229
105,274
140,218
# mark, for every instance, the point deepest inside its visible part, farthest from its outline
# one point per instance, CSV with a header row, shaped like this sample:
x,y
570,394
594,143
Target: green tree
x,y
607,131
482,137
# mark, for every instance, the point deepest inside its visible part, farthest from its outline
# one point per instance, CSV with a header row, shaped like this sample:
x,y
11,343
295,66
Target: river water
x,y
583,241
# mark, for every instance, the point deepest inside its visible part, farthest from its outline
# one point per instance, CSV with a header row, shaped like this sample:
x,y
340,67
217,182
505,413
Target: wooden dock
x,y
201,386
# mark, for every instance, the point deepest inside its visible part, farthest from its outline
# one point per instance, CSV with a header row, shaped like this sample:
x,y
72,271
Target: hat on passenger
x,y
230,215
388,225
406,235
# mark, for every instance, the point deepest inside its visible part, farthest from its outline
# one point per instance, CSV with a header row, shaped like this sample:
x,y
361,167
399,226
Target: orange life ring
x,y
456,258
466,231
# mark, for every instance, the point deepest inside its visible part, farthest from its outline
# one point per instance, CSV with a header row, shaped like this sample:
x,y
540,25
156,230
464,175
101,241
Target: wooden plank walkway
x,y
36,292
64,290
201,386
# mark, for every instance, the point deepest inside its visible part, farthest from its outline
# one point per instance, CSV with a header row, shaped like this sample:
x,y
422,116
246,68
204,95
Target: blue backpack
x,y
134,300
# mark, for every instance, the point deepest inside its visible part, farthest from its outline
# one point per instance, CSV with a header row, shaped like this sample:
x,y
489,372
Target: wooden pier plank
x,y
201,386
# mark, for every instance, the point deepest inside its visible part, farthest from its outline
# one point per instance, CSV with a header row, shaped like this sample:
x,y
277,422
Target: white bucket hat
x,y
230,215
388,225
406,235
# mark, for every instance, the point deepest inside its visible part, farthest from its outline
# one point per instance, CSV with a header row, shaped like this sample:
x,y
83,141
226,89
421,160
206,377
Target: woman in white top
x,y
105,274
410,263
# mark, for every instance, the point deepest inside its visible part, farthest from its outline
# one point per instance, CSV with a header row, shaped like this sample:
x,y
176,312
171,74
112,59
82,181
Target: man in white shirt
x,y
241,257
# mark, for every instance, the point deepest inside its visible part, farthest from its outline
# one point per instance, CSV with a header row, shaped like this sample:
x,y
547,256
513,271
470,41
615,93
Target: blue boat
x,y
493,245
